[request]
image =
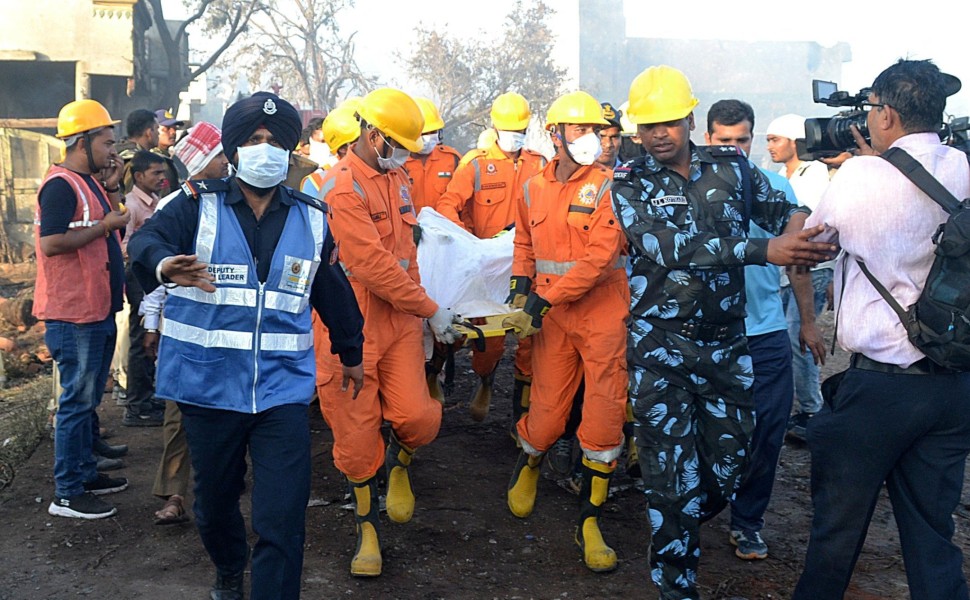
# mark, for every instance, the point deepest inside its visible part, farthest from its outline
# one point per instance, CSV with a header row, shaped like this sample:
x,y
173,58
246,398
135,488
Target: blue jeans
x,y
278,441
772,363
83,354
805,370
911,432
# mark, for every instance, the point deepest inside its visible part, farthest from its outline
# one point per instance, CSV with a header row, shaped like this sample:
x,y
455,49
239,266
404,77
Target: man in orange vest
x,y
568,242
371,217
480,199
75,237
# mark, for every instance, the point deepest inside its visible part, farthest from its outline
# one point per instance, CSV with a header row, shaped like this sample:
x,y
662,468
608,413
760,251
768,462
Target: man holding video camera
x,y
895,415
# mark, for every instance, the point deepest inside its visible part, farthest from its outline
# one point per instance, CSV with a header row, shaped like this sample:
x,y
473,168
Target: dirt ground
x,y
462,542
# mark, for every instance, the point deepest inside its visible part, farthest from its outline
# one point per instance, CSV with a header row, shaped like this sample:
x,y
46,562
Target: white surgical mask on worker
x,y
510,141
586,149
320,153
430,140
262,165
396,160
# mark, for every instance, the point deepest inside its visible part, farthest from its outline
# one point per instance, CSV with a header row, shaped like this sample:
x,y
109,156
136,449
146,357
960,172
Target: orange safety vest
x,y
74,286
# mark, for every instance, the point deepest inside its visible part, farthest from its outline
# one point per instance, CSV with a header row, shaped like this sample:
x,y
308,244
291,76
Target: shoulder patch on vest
x,y
722,151
195,188
307,199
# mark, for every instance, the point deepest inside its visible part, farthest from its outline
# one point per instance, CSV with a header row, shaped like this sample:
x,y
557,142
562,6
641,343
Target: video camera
x,y
958,134
830,136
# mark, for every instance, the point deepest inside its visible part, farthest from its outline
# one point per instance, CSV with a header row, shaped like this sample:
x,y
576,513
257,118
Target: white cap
x,y
789,126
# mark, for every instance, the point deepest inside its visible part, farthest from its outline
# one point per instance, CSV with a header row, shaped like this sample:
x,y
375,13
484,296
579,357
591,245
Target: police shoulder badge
x,y
269,107
587,194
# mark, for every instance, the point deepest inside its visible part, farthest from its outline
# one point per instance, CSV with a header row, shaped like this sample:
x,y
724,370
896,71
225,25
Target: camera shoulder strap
x,y
915,172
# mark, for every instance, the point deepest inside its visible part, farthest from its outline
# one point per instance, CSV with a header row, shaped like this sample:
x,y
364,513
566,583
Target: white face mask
x,y
320,153
398,157
586,149
430,140
262,165
510,141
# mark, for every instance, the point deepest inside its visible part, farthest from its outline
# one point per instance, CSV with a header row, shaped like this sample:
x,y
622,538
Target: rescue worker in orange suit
x,y
431,169
371,217
340,130
433,165
480,198
569,243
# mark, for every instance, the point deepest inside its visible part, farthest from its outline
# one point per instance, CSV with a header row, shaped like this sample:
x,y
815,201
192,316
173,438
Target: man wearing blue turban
x,y
246,258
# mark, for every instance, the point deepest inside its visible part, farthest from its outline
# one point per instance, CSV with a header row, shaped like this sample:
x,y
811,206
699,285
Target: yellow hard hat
x,y
626,125
395,114
82,115
577,108
510,112
660,94
340,127
432,118
351,103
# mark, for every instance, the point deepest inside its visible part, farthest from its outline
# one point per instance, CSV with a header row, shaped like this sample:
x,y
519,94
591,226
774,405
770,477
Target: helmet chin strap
x,y
87,150
565,145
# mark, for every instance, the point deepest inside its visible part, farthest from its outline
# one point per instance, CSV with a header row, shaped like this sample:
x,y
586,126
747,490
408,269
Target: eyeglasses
x,y
868,106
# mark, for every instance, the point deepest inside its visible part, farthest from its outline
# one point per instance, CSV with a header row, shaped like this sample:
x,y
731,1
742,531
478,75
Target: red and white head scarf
x,y
199,147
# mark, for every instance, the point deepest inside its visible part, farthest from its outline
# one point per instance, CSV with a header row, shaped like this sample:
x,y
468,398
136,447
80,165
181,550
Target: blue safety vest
x,y
248,346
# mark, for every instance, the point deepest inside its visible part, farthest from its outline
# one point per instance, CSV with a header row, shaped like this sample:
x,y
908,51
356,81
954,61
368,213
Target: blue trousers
x,y
83,354
694,419
278,442
911,432
771,358
803,364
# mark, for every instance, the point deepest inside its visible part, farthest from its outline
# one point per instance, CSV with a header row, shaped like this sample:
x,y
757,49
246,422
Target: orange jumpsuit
x,y
430,177
371,217
481,198
569,242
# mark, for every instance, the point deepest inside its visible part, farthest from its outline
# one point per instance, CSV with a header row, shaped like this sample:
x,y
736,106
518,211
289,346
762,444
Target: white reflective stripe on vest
x,y
208,221
552,267
224,296
76,224
285,302
285,342
86,220
478,175
316,224
220,338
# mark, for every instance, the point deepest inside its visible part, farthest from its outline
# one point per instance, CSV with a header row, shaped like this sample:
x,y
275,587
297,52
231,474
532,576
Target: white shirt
x,y
887,222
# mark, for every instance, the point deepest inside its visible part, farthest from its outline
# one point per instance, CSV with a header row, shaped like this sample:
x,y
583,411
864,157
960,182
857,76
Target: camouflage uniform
x,y
690,370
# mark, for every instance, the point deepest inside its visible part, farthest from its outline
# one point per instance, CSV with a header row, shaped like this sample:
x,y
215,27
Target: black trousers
x,y
911,432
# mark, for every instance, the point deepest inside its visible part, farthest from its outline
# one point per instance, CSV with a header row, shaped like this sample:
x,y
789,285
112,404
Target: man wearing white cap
x,y
809,179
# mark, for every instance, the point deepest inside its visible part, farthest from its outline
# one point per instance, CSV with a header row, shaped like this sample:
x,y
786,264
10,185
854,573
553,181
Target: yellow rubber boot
x,y
400,497
367,559
522,488
596,485
482,398
520,403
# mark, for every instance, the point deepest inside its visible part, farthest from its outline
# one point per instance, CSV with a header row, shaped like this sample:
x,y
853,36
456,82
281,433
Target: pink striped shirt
x,y
886,222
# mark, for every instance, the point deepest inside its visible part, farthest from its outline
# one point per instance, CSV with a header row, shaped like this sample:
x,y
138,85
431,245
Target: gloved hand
x,y
529,321
518,291
441,323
